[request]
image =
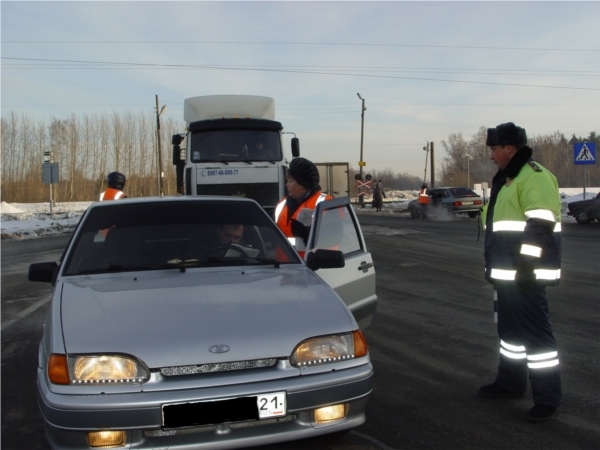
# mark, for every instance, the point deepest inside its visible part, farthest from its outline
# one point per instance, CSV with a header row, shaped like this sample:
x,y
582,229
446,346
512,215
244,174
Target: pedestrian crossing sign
x,y
584,153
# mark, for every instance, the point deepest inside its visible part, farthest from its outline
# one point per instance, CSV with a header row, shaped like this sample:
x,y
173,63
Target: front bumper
x,y
69,417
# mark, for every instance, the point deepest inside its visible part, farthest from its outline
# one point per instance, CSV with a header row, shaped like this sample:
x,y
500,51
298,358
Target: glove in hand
x,y
525,276
300,230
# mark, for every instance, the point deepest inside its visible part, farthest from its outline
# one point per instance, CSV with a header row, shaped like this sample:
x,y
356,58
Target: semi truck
x,y
233,146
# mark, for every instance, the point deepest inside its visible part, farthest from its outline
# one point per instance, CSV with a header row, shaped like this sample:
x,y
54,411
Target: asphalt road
x,y
433,343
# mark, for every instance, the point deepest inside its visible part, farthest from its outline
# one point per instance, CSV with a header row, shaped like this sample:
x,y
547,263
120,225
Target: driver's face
x,y
230,233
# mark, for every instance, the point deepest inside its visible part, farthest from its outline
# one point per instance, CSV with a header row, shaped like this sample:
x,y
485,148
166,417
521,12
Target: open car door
x,y
335,227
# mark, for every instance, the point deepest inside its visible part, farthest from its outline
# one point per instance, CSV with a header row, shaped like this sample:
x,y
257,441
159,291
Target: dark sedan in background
x,y
585,211
449,200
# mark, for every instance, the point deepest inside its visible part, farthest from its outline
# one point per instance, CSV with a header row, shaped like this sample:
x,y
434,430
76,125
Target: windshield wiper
x,y
228,260
133,267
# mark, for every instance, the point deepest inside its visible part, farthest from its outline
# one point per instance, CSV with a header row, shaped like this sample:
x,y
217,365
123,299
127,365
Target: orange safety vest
x,y
423,196
285,223
112,194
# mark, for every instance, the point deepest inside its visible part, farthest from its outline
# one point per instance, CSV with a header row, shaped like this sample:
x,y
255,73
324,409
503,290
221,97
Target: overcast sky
x,y
425,69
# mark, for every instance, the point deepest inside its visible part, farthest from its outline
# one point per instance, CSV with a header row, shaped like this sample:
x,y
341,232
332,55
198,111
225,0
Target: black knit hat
x,y
304,172
116,180
506,134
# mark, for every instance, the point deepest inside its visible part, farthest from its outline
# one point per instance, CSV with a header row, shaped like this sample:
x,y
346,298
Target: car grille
x,y
266,194
217,367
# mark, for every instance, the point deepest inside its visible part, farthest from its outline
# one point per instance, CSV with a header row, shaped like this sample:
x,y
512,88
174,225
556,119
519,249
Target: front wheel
x,y
413,212
582,216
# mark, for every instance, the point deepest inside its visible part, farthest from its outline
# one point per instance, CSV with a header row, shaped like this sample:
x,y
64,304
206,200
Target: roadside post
x,y
50,174
584,154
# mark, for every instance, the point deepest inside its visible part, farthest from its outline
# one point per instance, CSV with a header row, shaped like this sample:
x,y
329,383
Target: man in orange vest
x,y
293,214
424,199
116,183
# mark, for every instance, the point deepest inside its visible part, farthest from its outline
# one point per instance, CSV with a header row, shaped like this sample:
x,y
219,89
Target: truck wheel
x,y
582,216
414,213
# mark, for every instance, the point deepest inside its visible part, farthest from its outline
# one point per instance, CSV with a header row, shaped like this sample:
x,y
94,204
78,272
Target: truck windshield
x,y
235,145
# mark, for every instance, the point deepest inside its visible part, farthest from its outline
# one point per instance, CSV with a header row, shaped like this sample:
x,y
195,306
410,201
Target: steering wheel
x,y
221,251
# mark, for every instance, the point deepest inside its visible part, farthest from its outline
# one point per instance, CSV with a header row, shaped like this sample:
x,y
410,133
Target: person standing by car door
x,y
116,184
293,214
424,199
522,257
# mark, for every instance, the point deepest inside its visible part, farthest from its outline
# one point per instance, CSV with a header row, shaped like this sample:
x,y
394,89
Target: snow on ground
x,y
33,220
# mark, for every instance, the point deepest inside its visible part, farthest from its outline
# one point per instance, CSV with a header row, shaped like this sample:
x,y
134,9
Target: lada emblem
x,y
219,348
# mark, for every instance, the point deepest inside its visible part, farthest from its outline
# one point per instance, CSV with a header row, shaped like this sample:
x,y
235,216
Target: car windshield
x,y
126,236
235,145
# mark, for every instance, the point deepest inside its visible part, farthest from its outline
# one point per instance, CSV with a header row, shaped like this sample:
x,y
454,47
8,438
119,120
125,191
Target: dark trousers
x,y
523,321
424,209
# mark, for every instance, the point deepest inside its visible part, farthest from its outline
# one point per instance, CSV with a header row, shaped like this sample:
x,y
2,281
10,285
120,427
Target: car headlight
x,y
328,349
96,369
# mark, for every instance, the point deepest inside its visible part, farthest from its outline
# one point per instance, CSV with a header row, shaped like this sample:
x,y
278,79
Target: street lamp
x,y
362,128
160,172
468,171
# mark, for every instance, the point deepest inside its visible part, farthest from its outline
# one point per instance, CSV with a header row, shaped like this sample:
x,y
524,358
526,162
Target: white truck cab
x,y
232,147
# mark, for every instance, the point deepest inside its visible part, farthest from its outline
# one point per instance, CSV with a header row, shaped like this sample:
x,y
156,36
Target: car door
x,y
336,227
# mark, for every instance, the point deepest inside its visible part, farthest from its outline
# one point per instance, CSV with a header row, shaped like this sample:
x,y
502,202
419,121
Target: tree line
x,y
88,147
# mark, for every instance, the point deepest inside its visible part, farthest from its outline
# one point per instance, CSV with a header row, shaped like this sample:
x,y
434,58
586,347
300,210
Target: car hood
x,y
169,318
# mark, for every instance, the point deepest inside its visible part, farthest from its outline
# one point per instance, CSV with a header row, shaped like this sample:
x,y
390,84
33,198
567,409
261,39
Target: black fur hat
x,y
304,172
506,134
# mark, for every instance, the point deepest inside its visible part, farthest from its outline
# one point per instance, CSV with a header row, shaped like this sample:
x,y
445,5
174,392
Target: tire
x,y
472,214
582,216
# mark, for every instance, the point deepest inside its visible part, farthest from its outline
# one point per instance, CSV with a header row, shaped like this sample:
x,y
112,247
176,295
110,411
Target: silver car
x,y
165,333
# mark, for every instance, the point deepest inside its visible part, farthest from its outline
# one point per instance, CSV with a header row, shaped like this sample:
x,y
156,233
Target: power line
x,y
313,72
334,44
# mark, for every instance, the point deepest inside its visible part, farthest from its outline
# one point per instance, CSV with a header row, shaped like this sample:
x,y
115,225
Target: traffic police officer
x,y
522,257
116,184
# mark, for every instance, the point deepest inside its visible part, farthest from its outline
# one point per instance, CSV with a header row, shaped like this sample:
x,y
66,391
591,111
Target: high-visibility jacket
x,y
525,225
112,194
285,223
424,196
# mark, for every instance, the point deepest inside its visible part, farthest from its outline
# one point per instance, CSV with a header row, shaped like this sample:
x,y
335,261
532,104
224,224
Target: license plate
x,y
239,409
467,203
271,405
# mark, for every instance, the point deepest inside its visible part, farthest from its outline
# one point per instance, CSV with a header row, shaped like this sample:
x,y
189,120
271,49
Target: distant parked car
x,y
585,211
453,200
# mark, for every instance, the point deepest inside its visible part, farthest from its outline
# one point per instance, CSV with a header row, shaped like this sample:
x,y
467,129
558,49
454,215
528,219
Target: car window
x,y
337,231
464,192
154,235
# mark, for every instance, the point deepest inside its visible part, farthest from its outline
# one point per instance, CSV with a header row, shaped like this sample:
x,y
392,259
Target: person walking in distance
x,y
522,257
378,196
116,184
424,199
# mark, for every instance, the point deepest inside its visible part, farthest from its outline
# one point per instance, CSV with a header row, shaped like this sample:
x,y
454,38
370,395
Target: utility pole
x,y
426,148
362,128
432,166
160,171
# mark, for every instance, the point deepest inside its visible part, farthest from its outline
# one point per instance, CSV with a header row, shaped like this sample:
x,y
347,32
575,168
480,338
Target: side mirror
x,y
45,272
325,259
176,154
177,139
295,147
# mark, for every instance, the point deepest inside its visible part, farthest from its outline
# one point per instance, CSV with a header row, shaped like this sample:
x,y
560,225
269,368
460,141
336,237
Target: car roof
x,y
182,199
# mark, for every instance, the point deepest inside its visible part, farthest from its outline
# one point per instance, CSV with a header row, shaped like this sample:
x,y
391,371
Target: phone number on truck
x,y
218,172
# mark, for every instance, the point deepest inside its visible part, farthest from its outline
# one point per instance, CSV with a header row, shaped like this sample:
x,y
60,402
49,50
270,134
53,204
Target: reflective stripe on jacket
x,y
525,226
285,223
112,194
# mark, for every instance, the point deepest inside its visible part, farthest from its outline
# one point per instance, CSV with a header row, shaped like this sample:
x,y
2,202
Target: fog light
x,y
329,413
106,439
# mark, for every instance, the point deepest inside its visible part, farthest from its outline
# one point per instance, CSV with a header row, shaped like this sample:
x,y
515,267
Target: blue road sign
x,y
584,153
